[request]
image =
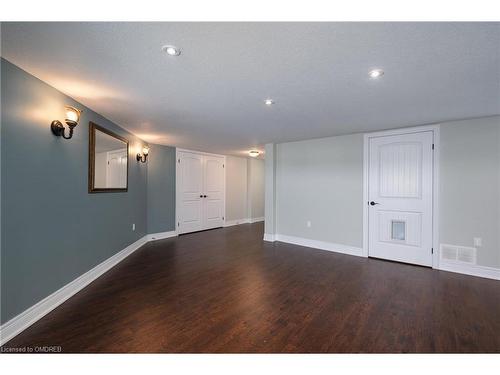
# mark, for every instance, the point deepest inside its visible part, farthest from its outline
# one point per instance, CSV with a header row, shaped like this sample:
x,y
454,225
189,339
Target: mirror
x,y
108,160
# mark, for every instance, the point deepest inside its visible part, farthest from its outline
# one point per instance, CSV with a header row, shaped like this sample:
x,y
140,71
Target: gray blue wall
x,y
53,230
161,189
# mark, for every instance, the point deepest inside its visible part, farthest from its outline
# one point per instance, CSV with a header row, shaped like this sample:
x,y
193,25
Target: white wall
x,y
321,180
244,189
256,171
270,191
470,186
236,188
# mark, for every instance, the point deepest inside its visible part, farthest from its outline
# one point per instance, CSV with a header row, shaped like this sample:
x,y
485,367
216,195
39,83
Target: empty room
x,y
250,187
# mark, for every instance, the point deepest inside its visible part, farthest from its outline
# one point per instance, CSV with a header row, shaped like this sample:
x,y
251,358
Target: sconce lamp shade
x,y
71,119
72,115
254,153
144,156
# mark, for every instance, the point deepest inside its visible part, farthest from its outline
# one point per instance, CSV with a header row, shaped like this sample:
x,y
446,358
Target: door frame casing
x,y
177,181
435,183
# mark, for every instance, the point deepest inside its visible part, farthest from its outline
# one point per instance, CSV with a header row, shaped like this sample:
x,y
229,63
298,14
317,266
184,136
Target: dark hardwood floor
x,y
226,290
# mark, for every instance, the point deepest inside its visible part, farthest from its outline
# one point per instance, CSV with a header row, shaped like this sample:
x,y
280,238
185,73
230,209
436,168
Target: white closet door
x,y
213,194
400,198
116,169
190,194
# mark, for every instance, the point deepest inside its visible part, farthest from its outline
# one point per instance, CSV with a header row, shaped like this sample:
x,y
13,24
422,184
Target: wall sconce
x,y
254,153
144,157
72,118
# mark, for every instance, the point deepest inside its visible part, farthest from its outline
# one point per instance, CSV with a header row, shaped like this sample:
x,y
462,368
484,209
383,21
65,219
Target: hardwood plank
x,y
227,291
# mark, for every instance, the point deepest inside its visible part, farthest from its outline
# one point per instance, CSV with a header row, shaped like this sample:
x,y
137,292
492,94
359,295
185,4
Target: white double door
x,y
200,191
400,196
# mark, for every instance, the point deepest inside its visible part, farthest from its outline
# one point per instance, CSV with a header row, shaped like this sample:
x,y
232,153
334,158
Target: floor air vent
x,y
459,254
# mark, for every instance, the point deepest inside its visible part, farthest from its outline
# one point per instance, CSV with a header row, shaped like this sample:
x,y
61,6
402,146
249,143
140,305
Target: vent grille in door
x,y
460,254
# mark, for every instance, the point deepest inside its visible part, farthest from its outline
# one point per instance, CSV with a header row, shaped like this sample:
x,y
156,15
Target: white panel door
x,y
190,194
200,191
214,191
400,197
116,169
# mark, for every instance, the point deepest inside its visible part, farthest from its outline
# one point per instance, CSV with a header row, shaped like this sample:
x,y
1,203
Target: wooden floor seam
x,y
228,291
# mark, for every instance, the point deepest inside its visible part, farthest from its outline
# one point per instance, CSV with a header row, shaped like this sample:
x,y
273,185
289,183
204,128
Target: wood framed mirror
x,y
108,161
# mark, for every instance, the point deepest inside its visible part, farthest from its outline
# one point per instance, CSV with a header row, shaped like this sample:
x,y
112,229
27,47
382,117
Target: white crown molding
x,y
322,245
470,269
161,235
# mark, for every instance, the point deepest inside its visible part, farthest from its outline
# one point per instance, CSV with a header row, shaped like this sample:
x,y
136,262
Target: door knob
x,y
372,203
201,196
204,196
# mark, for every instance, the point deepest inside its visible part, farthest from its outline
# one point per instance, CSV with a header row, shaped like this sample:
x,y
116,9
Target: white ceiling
x,y
211,96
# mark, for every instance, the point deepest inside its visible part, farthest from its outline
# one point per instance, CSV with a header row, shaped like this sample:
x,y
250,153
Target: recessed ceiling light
x,y
376,73
269,102
254,153
172,50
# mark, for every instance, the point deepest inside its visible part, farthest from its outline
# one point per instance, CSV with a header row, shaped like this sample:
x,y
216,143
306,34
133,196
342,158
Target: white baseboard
x,y
230,223
161,235
256,219
470,269
269,237
329,246
25,319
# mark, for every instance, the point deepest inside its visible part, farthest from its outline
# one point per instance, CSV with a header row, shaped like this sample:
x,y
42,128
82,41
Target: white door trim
x,y
177,185
435,183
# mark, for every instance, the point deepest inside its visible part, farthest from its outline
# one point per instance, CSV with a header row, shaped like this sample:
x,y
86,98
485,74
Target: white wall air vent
x,y
458,254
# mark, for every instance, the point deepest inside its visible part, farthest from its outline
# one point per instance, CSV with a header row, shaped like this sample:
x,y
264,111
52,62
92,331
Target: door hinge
x,y
178,224
432,250
178,160
433,146
222,217
222,165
